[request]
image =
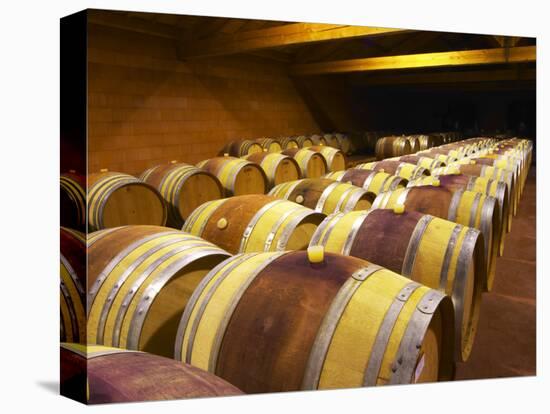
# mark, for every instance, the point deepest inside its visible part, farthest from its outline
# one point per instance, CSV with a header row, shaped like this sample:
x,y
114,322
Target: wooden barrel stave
x,y
146,277
255,223
392,146
303,318
324,195
237,176
373,181
184,187
312,164
73,201
432,251
278,168
336,161
117,199
269,144
469,208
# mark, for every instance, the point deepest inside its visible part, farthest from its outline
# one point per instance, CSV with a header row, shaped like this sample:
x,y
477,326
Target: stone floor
x,y
505,345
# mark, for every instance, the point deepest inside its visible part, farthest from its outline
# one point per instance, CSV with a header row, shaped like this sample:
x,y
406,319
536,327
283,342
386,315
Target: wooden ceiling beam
x,y
125,22
515,74
423,60
277,36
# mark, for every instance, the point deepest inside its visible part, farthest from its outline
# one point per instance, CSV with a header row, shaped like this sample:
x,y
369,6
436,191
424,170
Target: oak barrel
x,y
469,208
237,176
496,189
424,162
289,321
269,144
312,164
73,201
318,139
325,195
392,146
139,281
241,148
434,252
254,223
72,286
335,158
303,141
278,168
99,375
415,143
117,199
373,181
288,142
184,187
405,170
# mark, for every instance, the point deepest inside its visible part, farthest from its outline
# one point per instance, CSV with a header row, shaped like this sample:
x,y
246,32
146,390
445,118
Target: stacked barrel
x,y
271,267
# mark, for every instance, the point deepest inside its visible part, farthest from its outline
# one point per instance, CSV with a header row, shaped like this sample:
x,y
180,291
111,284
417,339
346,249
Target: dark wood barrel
x,y
318,139
117,199
374,182
469,208
288,142
238,176
99,375
254,223
184,187
392,146
424,162
73,201
72,286
241,148
325,195
139,281
278,168
294,321
486,186
435,252
335,158
415,143
427,141
312,163
304,141
269,144
405,170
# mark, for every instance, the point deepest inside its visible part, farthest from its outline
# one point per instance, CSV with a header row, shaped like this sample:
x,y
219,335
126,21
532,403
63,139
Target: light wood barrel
x,y
415,143
278,168
73,201
479,170
304,141
117,199
325,195
496,189
241,148
237,176
98,375
72,286
288,142
339,323
373,181
139,281
469,208
269,144
434,252
342,142
392,146
405,170
184,187
427,141
424,162
446,156
318,139
254,223
312,164
336,161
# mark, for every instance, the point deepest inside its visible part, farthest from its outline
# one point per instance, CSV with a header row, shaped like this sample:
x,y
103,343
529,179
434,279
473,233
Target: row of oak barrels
x,y
379,142
168,193
247,280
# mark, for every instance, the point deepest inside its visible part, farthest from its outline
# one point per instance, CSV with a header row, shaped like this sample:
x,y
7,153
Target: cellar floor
x,y
505,345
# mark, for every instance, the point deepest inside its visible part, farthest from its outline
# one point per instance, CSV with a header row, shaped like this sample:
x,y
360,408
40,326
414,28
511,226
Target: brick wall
x,y
145,106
